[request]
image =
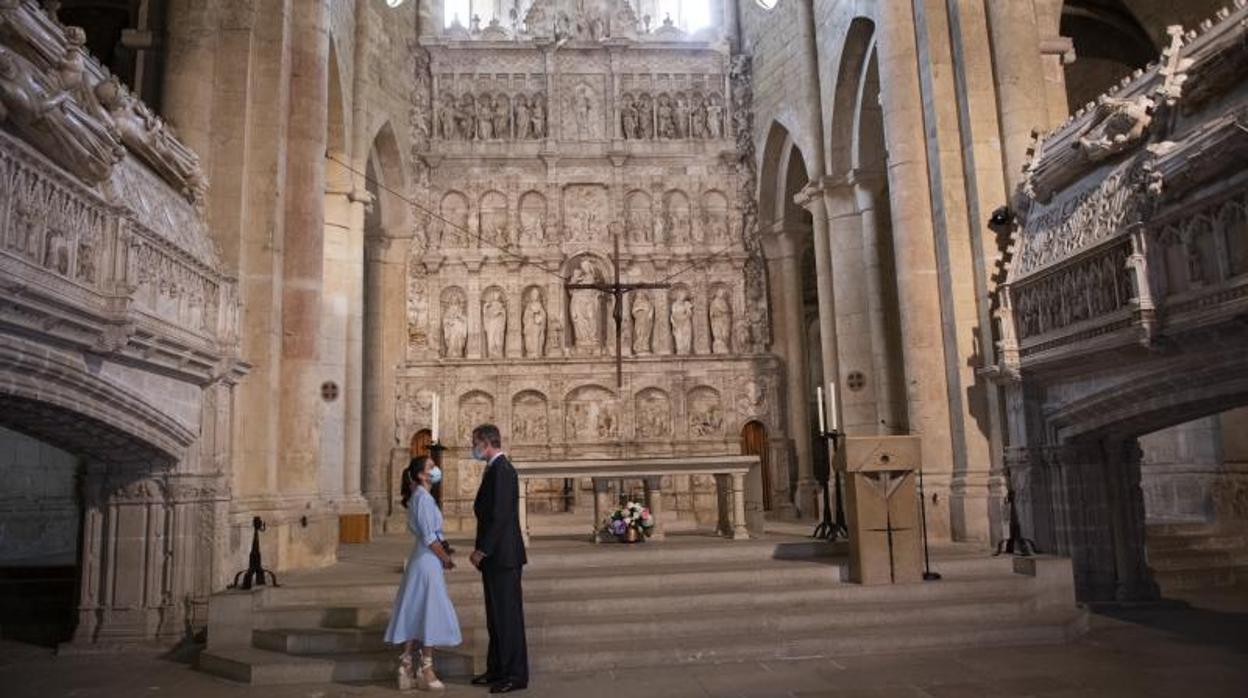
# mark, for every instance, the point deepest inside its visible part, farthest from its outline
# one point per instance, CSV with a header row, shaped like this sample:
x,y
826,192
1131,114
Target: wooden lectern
x,y
881,508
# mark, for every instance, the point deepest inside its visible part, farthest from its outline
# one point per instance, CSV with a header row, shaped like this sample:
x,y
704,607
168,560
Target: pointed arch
x,y
386,160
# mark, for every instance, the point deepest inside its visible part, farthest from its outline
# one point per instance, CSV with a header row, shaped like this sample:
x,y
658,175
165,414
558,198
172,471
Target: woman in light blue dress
x,y
423,615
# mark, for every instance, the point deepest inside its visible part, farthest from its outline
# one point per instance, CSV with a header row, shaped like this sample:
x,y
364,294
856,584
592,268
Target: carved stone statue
x,y
721,321
681,112
485,118
1120,123
534,325
523,118
714,118
494,323
502,116
454,330
629,122
54,123
538,129
682,323
446,117
667,118
146,136
585,308
645,116
697,128
466,117
643,322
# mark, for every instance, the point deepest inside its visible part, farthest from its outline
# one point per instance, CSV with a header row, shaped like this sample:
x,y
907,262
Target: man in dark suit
x,y
500,556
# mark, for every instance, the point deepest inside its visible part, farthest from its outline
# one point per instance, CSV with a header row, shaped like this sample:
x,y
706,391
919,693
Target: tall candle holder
x,y
829,529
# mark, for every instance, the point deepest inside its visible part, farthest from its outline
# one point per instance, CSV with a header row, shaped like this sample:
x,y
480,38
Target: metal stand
x,y
827,529
1016,544
254,574
928,574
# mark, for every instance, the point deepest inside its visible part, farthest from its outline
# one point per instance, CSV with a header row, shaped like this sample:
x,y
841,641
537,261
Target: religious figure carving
x,y
86,257
146,136
454,329
682,322
706,417
528,422
56,252
643,322
1120,124
645,116
534,325
715,117
502,116
494,322
654,415
583,110
681,115
485,118
721,321
585,308
752,400
666,117
538,118
417,313
629,122
698,126
523,121
54,123
447,127
466,117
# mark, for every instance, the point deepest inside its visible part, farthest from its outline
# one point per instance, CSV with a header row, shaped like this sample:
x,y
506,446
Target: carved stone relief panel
x,y
1085,290
715,227
706,413
752,400
653,412
586,212
582,112
475,408
417,313
592,414
529,418
454,224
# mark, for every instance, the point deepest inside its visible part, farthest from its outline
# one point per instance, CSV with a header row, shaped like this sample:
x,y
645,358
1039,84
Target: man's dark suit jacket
x,y
497,508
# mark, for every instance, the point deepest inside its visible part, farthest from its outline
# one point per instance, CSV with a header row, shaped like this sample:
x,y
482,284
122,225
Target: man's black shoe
x,y
483,680
508,687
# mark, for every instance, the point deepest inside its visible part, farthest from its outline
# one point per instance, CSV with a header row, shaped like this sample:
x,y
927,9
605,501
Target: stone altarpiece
x,y
535,146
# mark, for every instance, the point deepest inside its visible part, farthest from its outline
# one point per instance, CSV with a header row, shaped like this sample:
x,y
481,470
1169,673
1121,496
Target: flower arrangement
x,y
631,516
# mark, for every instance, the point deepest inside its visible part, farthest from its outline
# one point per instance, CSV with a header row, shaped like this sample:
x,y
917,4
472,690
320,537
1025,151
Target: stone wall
x,y
39,510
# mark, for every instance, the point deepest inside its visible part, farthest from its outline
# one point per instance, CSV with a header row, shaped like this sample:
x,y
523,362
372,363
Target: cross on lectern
x,y
617,291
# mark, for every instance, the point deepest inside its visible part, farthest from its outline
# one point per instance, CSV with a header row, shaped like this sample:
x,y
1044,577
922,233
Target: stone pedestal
x,y
881,508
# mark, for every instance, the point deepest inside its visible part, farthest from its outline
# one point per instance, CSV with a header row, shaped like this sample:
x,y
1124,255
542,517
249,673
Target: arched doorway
x,y
754,443
419,446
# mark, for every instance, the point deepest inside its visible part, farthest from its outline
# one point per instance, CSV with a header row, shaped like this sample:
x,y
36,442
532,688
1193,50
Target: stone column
x,y
191,47
353,387
654,501
303,250
811,199
784,259
876,264
1019,75
739,530
853,335
914,249
385,345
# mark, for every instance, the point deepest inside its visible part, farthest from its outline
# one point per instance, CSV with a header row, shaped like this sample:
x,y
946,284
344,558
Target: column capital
x,y
811,198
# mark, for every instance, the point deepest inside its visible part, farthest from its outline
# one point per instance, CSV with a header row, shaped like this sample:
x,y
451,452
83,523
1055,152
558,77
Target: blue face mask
x,y
435,475
477,454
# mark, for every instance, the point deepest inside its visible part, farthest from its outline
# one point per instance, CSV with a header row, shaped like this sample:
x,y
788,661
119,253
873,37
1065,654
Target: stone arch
x,y
391,175
705,413
533,216
639,217
492,224
530,417
677,217
591,414
782,176
714,217
855,53
454,210
652,414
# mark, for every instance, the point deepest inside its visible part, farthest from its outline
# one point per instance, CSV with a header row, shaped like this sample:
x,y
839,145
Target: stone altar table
x,y
881,508
739,480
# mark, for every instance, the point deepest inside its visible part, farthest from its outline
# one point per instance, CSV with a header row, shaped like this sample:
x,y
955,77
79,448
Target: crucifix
x,y
616,290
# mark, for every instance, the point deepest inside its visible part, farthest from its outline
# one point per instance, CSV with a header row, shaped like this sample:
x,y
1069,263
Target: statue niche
x,y
643,322
592,414
533,323
492,220
638,220
676,218
532,218
494,321
682,320
653,414
587,308
529,420
475,407
454,322
721,320
706,415
454,210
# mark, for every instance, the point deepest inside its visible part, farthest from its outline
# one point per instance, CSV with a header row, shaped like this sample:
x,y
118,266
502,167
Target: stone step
x,y
466,585
1166,544
1194,560
735,600
609,653
1181,529
1201,578
264,667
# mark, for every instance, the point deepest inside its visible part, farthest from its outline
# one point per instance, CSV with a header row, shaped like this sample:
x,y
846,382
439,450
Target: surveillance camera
x,y
1003,217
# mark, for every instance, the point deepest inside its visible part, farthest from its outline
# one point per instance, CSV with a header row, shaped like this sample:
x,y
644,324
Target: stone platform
x,y
691,599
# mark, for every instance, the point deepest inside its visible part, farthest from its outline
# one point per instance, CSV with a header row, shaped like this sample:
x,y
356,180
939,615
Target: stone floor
x,y
1196,648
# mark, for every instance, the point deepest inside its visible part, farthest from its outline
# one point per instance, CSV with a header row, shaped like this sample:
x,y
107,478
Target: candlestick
x,y
435,418
819,399
836,416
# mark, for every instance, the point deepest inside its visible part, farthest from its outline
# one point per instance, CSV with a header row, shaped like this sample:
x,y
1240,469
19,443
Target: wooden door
x,y
754,443
419,446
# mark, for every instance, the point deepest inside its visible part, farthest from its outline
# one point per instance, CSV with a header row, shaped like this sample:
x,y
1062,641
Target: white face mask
x,y
477,453
435,475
